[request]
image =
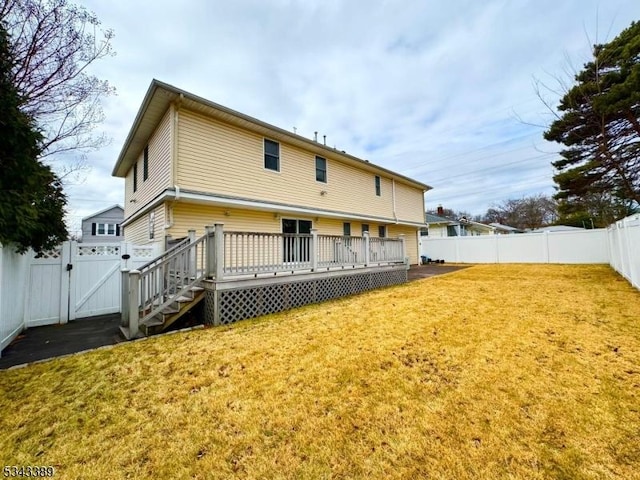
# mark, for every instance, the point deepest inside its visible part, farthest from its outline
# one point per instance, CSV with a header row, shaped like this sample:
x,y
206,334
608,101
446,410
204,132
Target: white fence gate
x,y
78,280
74,280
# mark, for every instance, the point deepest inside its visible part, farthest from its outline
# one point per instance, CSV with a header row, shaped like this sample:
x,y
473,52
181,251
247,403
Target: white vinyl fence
x,y
587,246
617,245
624,247
73,280
14,272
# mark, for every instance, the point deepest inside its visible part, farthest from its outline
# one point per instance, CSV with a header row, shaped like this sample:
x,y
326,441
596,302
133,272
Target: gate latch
x,y
69,267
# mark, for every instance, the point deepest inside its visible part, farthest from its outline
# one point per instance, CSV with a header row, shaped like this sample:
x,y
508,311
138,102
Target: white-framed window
x,y
321,169
271,155
152,225
105,229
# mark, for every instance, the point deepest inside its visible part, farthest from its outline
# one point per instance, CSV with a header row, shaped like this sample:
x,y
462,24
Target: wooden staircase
x,y
165,289
173,312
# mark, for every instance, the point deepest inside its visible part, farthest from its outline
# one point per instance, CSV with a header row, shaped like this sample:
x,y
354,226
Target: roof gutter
x,y
235,202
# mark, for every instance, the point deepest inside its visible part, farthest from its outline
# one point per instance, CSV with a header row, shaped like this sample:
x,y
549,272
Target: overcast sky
x,y
440,91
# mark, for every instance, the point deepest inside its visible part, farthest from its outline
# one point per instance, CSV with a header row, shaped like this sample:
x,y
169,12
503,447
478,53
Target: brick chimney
x,y
440,210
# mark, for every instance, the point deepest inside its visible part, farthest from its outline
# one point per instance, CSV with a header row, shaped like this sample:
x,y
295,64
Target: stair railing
x,y
159,283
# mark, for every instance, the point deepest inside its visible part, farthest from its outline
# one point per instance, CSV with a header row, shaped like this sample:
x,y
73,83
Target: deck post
x,y
219,250
124,298
134,301
313,249
403,242
209,252
367,244
192,255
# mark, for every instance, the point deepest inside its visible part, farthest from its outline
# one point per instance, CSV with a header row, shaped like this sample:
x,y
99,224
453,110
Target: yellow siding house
x,y
189,162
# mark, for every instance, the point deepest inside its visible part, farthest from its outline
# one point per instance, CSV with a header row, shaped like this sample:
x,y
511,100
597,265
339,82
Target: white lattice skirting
x,y
225,303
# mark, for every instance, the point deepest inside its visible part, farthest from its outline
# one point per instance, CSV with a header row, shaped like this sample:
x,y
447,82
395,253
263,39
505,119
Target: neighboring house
x,y
444,227
505,229
189,163
103,226
556,228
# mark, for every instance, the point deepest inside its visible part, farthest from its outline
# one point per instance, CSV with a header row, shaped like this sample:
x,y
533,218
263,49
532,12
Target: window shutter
x,y
117,230
93,229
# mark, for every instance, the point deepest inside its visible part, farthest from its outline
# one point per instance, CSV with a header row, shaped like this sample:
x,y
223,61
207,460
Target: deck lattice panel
x,y
242,303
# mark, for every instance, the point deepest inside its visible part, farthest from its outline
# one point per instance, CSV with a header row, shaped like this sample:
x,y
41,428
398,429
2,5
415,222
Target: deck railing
x,y
219,255
339,251
159,283
250,253
385,250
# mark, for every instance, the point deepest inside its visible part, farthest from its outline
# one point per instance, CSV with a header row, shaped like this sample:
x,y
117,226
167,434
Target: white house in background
x,y
557,228
438,226
103,226
505,229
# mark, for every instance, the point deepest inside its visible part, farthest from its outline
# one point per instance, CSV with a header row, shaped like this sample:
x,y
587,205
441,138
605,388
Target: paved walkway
x,y
40,343
50,341
417,272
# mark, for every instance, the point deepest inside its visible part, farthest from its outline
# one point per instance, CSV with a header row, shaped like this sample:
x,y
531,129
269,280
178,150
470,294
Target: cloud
x,y
440,91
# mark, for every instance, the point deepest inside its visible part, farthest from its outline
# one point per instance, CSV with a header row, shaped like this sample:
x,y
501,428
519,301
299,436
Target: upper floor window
x,y
135,176
105,229
145,163
365,228
346,229
321,169
378,189
382,231
271,155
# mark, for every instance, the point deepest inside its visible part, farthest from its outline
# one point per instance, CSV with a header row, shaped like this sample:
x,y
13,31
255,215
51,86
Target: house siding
x,y
409,203
223,159
159,169
194,216
410,239
137,232
112,216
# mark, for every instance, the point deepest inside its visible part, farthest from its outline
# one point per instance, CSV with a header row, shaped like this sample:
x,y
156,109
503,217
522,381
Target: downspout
x,y
175,107
393,197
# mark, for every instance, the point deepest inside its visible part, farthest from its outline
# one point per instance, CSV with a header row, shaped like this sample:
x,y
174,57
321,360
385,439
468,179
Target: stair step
x,y
154,322
127,334
197,289
170,311
183,299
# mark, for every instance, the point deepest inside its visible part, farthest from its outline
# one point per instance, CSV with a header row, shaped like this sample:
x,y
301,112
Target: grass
x,y
509,371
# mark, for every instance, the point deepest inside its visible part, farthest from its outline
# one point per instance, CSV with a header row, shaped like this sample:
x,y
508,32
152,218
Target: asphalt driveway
x,y
40,343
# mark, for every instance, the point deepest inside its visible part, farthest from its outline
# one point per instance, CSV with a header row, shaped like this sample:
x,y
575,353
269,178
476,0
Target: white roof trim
x,y
232,202
102,211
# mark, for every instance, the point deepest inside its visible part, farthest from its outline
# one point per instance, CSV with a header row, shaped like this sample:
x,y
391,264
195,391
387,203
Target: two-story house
x,y
189,162
103,226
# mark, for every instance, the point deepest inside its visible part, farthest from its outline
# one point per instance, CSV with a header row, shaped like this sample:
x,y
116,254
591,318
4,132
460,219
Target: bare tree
x,y
53,43
526,212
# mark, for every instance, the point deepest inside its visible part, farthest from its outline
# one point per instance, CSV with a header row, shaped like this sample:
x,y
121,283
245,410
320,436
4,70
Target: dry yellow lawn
x,y
492,372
